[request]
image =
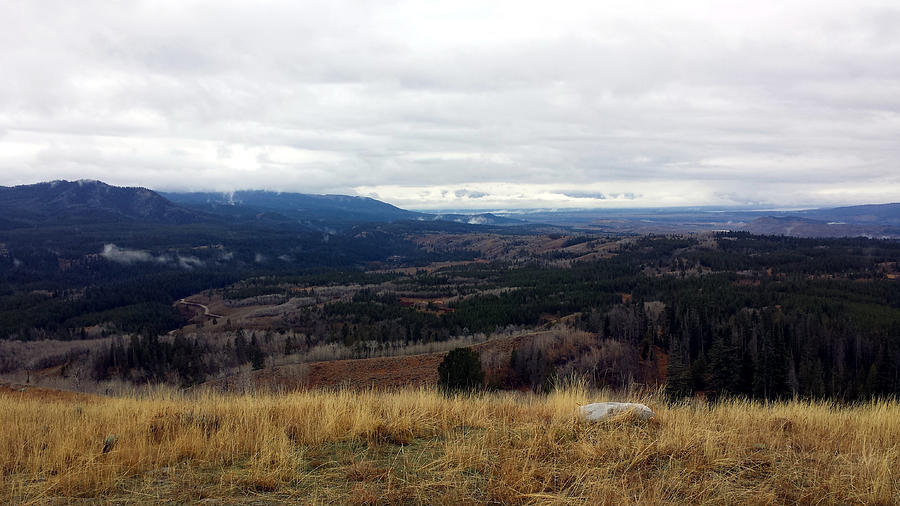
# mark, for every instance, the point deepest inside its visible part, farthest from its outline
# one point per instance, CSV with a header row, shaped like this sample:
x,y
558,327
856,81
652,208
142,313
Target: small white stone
x,y
603,410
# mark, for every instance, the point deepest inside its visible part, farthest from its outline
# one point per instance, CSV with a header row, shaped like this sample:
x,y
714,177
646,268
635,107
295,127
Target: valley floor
x,y
419,446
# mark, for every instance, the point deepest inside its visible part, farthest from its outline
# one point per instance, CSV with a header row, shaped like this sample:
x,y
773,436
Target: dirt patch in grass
x,y
14,391
377,373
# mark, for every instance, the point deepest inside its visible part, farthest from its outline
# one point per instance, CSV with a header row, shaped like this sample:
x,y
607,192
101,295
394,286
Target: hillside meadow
x,y
415,446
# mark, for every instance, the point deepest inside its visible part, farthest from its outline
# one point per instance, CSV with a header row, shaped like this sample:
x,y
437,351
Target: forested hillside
x,y
765,317
726,313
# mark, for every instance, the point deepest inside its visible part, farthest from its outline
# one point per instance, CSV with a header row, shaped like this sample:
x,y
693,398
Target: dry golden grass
x,y
418,446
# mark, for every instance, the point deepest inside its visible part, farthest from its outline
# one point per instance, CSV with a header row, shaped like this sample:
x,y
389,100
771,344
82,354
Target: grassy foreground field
x,y
418,446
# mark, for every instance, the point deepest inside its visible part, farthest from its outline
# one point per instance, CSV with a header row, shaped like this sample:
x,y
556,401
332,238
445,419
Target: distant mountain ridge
x,y
88,200
322,208
870,220
298,206
63,203
476,219
880,214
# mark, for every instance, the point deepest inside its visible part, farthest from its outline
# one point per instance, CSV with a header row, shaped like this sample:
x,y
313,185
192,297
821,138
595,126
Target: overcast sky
x,y
458,104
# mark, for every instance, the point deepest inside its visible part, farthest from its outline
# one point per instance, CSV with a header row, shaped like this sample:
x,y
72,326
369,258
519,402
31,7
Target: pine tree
x,y
461,370
289,345
678,374
240,348
257,357
724,368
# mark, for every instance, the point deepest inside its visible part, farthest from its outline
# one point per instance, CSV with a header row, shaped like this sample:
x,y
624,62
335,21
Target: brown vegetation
x,y
18,392
493,247
576,352
379,372
418,446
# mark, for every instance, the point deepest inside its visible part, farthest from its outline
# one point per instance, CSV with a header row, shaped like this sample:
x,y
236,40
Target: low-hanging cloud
x,y
129,256
188,262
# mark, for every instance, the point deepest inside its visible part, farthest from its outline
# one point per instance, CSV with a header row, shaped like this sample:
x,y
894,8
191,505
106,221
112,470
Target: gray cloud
x,y
464,193
188,262
129,256
582,195
790,103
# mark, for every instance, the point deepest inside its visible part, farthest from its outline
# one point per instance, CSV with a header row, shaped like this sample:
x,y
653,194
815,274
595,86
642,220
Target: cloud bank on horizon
x,y
460,104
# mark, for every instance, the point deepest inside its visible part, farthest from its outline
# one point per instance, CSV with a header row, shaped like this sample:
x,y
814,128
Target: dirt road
x,y
205,309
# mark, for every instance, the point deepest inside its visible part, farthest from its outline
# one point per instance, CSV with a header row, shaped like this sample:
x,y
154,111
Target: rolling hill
x,y
87,201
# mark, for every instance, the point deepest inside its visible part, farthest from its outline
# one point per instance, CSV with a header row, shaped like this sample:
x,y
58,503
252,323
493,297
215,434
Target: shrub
x,y
461,370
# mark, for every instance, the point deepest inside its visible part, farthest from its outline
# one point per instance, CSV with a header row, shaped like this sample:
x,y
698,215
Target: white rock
x,y
602,410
